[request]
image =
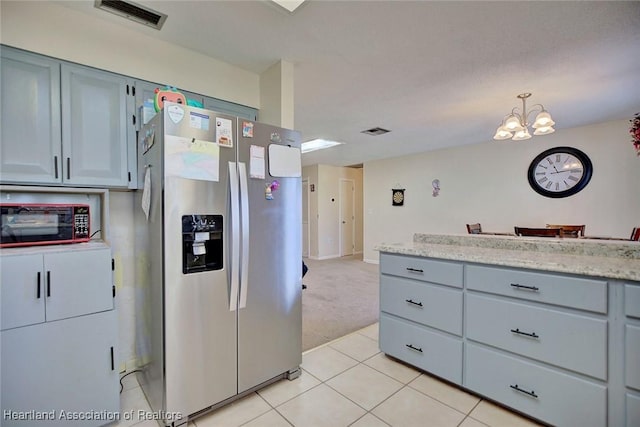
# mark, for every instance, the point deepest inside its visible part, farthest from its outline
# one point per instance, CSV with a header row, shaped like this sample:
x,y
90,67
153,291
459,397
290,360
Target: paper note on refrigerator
x,y
224,132
192,158
256,162
285,161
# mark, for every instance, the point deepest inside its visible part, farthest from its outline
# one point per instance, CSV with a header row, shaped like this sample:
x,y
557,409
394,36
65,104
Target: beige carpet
x,y
342,296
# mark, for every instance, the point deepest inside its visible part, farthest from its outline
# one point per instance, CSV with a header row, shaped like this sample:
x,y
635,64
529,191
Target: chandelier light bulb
x,y
543,119
546,130
522,135
513,124
502,133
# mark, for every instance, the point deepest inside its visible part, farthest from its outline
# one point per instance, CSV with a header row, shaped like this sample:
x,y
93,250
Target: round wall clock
x,y
560,172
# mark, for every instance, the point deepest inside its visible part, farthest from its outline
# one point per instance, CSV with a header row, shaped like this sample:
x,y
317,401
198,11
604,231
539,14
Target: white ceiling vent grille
x,y
134,12
375,131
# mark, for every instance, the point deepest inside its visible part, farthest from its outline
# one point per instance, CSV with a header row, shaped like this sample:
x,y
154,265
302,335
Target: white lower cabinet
x,y
550,395
421,313
561,348
65,368
558,338
426,348
59,337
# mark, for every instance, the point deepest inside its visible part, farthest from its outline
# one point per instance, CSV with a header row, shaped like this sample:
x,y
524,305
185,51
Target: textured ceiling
x,y
437,74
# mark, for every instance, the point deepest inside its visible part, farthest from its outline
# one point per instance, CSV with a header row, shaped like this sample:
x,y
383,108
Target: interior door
x,y
347,217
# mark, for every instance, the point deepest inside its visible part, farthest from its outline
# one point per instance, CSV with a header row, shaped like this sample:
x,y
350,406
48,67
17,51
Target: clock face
x,y
560,172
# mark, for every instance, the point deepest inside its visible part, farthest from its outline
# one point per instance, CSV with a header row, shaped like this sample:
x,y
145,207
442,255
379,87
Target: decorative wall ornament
x,y
436,187
398,196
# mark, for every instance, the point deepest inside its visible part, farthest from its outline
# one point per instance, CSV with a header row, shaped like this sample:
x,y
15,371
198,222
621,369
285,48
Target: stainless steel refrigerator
x,y
218,258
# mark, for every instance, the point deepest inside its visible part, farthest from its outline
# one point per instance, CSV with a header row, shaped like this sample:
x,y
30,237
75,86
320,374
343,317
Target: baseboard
x,y
320,258
371,261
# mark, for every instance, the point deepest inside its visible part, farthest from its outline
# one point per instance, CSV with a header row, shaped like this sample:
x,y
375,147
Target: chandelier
x,y
516,124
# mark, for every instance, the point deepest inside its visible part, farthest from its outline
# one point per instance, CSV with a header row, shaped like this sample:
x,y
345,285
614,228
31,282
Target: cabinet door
x,y
21,290
77,283
94,127
30,117
61,366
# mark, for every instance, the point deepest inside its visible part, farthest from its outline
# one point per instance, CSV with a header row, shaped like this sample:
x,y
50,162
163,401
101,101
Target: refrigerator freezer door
x,y
270,326
200,330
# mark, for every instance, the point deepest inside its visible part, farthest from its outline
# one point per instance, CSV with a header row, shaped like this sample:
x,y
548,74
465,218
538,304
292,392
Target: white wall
x,y
487,183
324,209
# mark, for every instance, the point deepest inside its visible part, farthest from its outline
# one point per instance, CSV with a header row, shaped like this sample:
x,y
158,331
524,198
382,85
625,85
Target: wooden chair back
x,y
538,232
635,234
474,228
569,230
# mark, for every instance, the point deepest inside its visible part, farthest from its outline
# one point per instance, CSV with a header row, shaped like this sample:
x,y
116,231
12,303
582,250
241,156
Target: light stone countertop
x,y
599,258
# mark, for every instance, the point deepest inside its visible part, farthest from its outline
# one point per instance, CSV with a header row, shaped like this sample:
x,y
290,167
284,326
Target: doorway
x,y
347,217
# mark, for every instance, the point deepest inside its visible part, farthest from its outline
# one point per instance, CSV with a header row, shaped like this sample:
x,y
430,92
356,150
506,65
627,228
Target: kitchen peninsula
x,y
548,327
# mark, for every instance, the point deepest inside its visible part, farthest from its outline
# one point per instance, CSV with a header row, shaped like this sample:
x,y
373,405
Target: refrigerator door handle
x,y
235,237
244,207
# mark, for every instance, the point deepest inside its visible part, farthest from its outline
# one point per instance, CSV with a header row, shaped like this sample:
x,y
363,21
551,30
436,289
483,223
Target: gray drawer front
x,y
427,270
562,400
436,306
632,356
632,300
633,410
440,355
578,343
581,293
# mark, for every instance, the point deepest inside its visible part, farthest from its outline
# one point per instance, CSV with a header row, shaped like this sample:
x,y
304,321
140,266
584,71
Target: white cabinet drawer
x,y
436,306
632,356
435,352
575,292
632,300
574,342
428,270
633,410
551,396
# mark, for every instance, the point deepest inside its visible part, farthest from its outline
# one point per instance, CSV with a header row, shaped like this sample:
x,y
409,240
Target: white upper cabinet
x,y
65,124
31,148
95,127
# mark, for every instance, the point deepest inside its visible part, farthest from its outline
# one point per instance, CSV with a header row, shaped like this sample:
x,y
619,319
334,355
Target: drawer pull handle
x,y
414,348
525,287
531,335
38,287
415,270
528,393
410,301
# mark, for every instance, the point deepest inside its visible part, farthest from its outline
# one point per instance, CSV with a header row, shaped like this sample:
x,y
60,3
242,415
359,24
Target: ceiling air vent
x,y
375,131
134,12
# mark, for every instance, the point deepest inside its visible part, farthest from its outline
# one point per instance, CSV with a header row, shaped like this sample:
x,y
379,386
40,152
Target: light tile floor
x,y
347,382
